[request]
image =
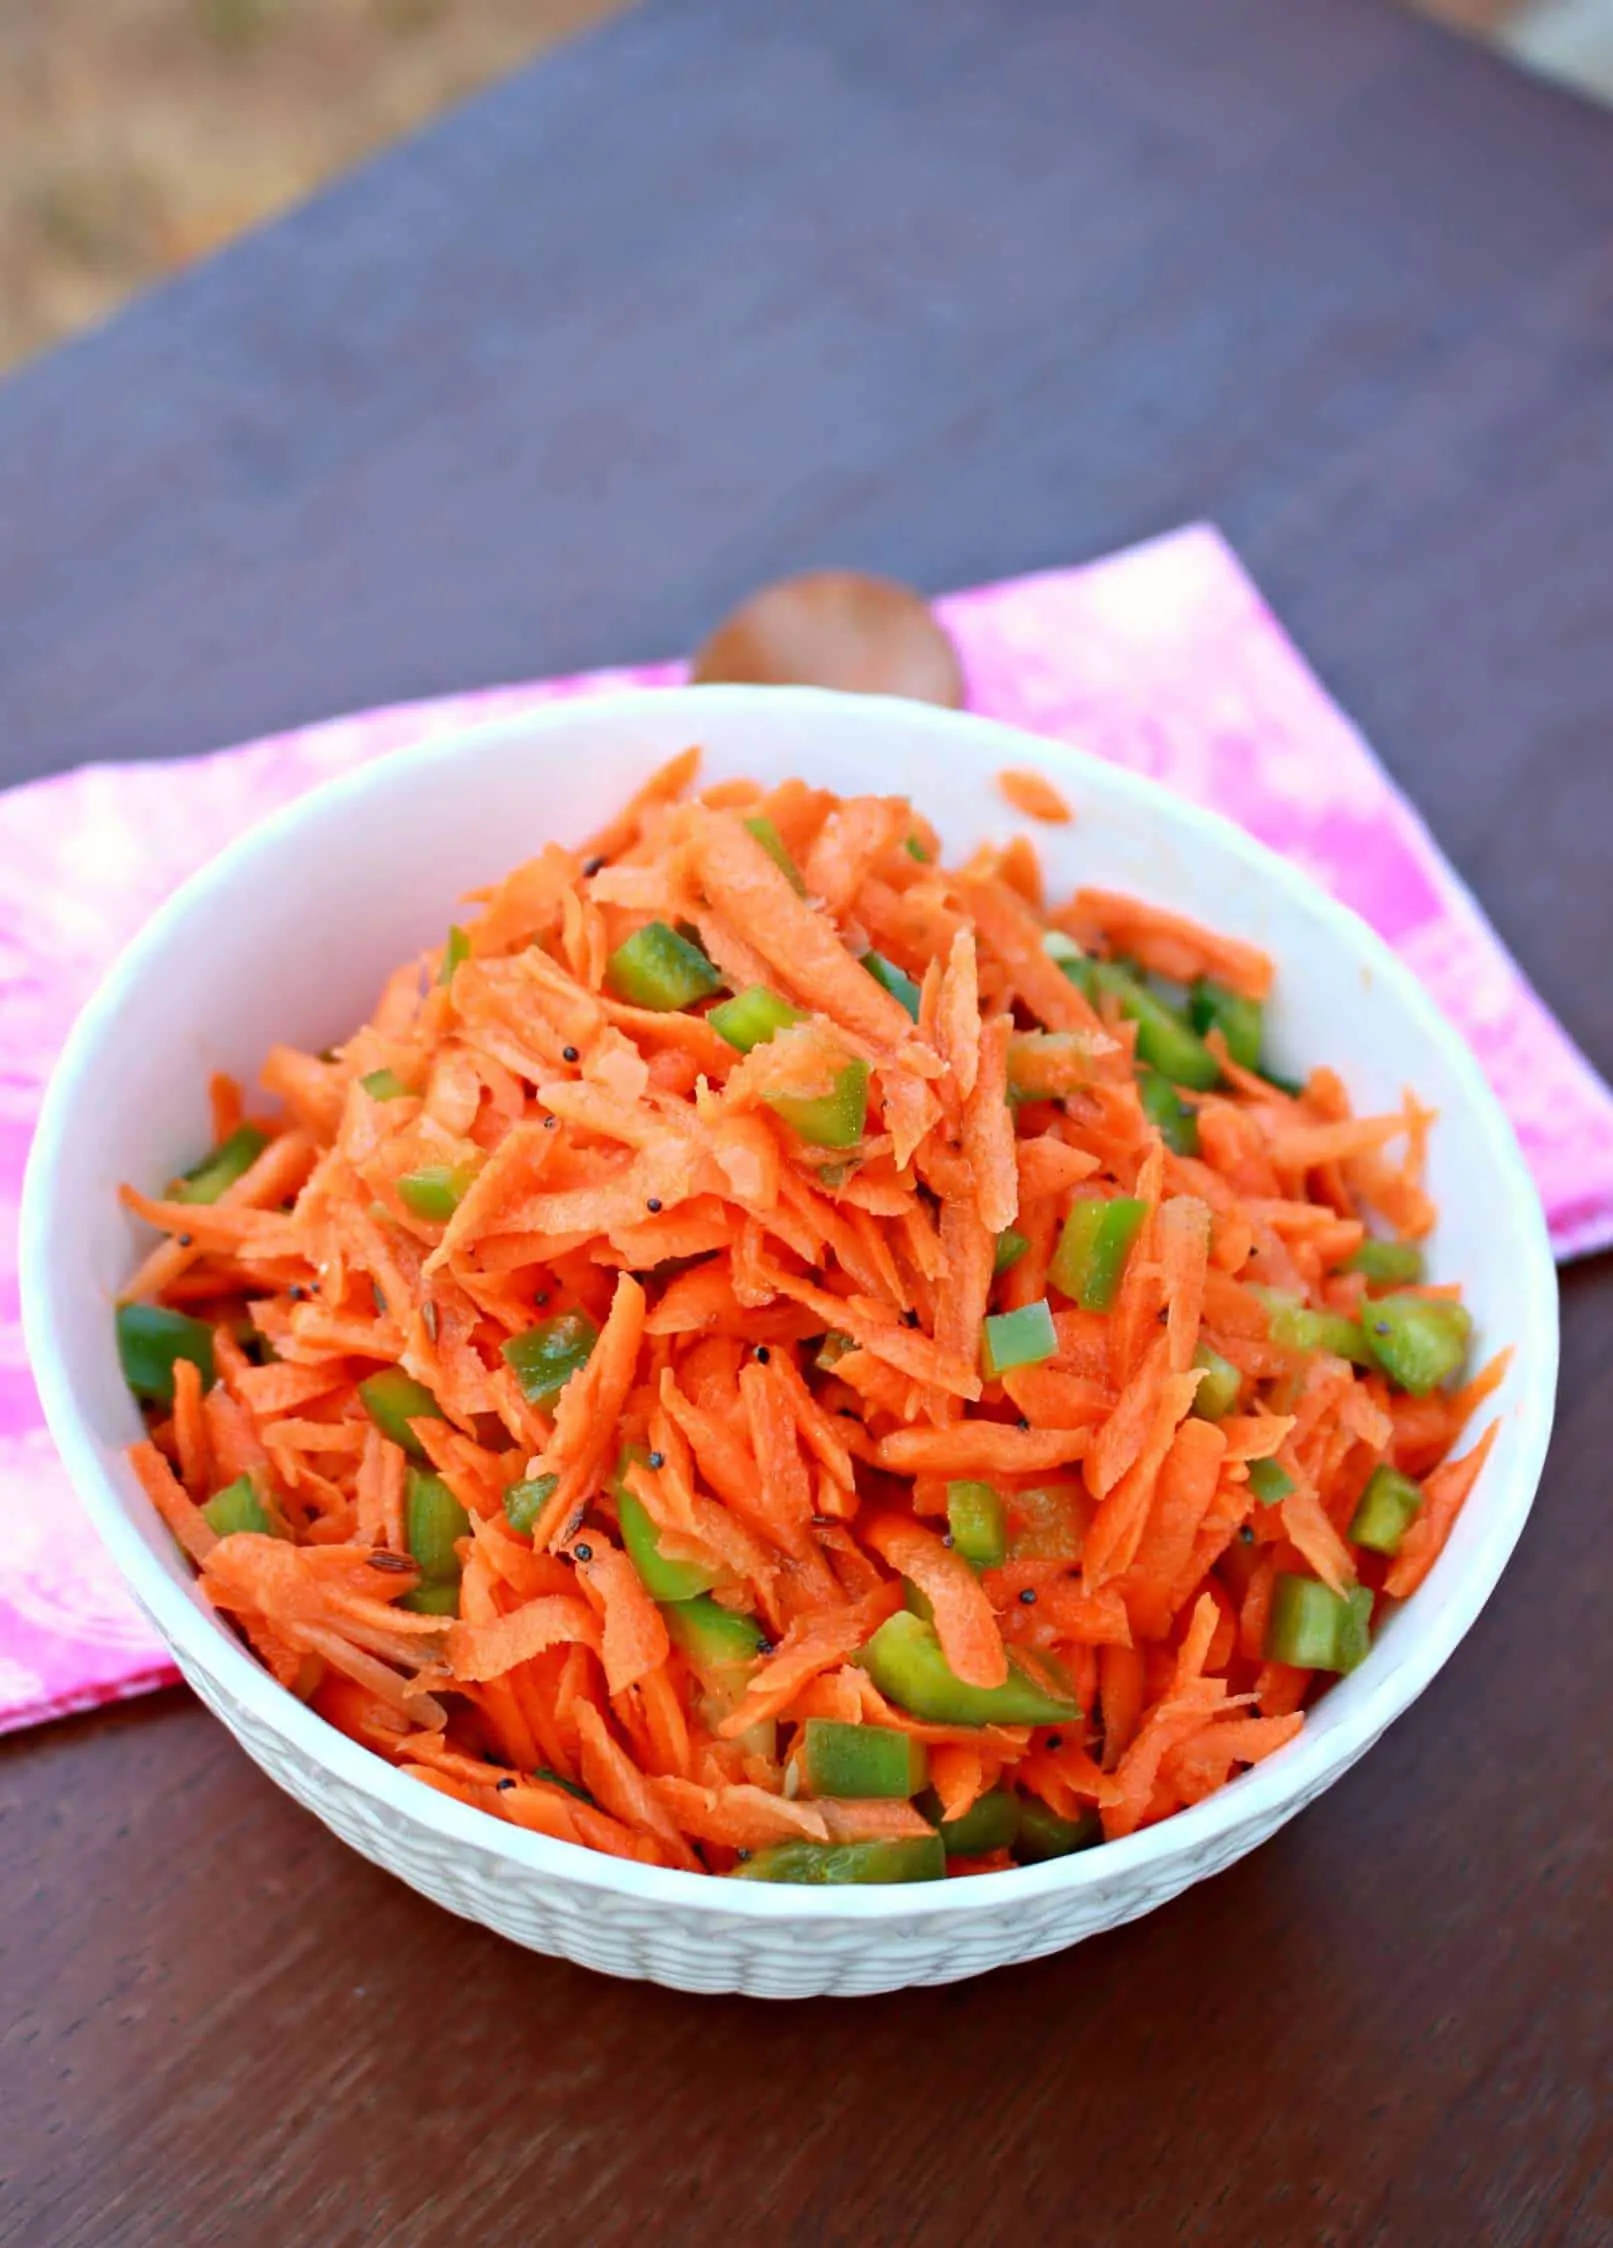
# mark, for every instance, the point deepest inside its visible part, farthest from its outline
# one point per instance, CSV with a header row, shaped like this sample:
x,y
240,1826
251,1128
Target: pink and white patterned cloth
x,y
1163,659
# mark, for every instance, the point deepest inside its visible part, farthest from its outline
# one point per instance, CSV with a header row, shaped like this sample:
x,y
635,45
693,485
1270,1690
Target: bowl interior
x,y
289,935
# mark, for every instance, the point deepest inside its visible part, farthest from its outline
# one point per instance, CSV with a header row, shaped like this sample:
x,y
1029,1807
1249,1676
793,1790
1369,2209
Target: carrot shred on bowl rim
x,y
770,1356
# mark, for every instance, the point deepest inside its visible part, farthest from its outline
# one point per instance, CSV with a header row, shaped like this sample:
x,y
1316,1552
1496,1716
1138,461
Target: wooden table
x,y
951,288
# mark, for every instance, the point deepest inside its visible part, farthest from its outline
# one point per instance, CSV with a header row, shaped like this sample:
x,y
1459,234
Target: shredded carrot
x,y
777,1279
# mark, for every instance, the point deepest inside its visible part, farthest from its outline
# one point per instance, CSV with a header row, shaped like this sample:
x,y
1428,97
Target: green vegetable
x,y
1164,1040
1270,1481
1385,1512
1018,1338
832,1119
713,1637
1090,1260
1387,1264
1294,1326
436,1190
862,1760
915,850
773,844
1419,1341
546,1356
1176,1123
752,1017
1219,1391
236,1507
1011,1246
905,1662
1043,1834
393,1399
150,1338
543,1772
892,979
657,968
977,1523
525,1501
662,1579
1315,1629
229,1161
385,1085
454,951
434,1519
990,1823
914,1858
1241,1021
439,1599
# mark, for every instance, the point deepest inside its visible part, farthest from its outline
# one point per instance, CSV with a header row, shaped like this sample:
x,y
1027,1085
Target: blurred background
x,y
138,135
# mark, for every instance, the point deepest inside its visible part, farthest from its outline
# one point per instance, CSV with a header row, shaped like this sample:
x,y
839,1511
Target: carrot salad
x,y
773,1356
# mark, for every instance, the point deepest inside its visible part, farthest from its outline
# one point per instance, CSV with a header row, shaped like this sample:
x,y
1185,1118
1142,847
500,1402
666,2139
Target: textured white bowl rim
x,y
1407,1665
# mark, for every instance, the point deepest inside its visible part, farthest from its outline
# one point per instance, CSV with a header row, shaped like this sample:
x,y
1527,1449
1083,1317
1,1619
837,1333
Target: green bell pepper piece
x,y
894,980
1164,1040
229,1161
1315,1629
526,1500
915,850
1090,1260
905,1662
436,1190
657,968
1017,1338
1176,1123
393,1399
1385,1511
1011,1246
713,1637
150,1338
977,1524
832,1864
662,1579
1043,1834
438,1599
1419,1341
454,951
990,1823
832,1119
1221,1387
546,1356
774,845
385,1085
1241,1021
1387,1264
752,1017
237,1507
862,1760
1293,1326
1270,1481
434,1519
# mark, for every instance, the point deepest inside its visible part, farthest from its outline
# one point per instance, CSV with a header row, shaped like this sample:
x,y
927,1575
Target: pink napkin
x,y
1163,659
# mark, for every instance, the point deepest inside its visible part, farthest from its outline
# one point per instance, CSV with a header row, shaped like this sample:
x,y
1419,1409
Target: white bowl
x,y
288,935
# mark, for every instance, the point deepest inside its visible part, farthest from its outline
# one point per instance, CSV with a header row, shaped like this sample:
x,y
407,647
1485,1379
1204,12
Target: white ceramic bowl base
x,y
289,934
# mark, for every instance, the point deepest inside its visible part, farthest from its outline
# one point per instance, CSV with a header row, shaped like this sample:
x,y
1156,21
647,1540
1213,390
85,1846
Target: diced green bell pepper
x,y
774,845
436,1190
1270,1481
1386,1510
237,1507
862,1760
526,1500
438,1599
229,1161
1176,1123
456,949
1090,1260
1294,1326
1219,1391
895,980
1164,1040
831,1119
832,1864
714,1638
150,1338
1043,1834
1387,1264
1419,1341
1017,1338
1315,1629
752,1017
434,1519
393,1399
905,1662
1011,1246
658,969
990,1823
1241,1021
662,1579
977,1524
546,1356
385,1085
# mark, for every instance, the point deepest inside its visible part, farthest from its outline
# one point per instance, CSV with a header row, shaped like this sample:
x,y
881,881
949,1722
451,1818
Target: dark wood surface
x,y
945,288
